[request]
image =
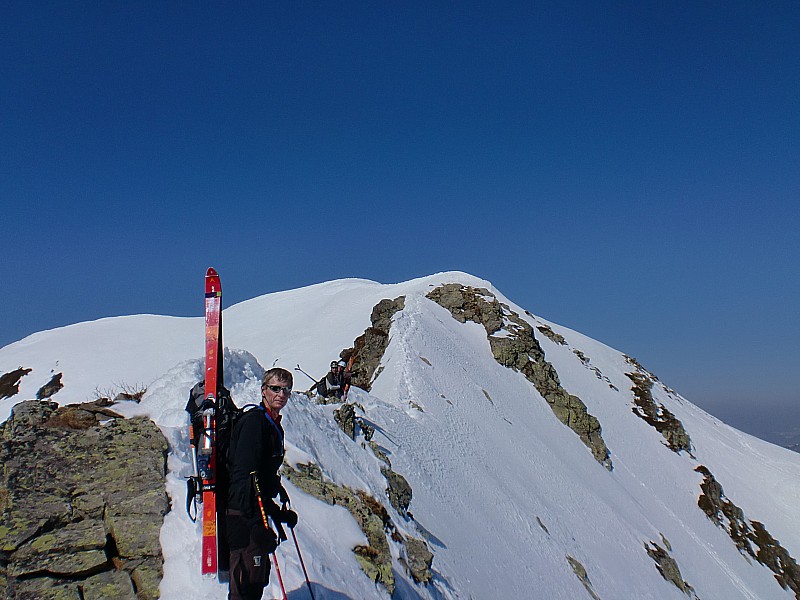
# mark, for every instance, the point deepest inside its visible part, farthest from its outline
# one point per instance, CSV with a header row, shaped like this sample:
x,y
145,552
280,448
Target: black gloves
x,y
264,538
289,517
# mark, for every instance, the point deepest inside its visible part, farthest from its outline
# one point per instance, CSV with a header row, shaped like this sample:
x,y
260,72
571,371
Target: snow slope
x,y
504,493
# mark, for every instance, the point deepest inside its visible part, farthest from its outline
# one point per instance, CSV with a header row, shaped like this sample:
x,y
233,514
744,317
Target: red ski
x,y
207,452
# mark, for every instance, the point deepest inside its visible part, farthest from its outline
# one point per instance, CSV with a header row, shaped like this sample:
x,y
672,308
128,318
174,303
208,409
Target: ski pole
x,y
254,475
297,368
302,563
278,571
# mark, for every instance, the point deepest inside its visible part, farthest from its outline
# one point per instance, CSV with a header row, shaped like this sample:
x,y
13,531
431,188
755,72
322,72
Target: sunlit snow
x,y
503,492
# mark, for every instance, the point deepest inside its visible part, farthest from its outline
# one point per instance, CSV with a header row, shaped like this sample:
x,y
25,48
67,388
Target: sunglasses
x,y
277,389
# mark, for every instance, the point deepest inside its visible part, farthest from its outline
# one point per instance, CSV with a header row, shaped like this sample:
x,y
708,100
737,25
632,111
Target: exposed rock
x,y
399,491
542,525
378,451
367,430
375,558
751,537
111,585
9,382
418,559
370,346
580,572
657,415
518,349
75,548
77,515
552,335
668,568
587,362
346,418
82,416
471,304
49,389
43,588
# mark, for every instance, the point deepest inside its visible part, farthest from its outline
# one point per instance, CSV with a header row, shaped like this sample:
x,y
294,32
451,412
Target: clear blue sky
x,y
628,169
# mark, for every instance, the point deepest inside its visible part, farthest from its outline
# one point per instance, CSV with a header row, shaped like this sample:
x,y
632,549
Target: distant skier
x,y
255,455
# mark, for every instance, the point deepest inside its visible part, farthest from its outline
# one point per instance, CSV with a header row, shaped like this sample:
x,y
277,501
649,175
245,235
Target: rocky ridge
x,y
517,348
374,520
751,537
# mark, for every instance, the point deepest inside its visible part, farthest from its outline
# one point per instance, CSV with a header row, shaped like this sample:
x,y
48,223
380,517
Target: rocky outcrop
x,y
580,573
81,503
49,389
554,337
353,425
398,491
368,348
345,417
587,362
9,382
668,568
657,415
514,346
417,559
375,557
751,537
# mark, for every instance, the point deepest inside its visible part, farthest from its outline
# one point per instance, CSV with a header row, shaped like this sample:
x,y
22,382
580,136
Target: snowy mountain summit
x,y
486,453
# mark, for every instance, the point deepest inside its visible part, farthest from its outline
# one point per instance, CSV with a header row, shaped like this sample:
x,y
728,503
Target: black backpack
x,y
226,416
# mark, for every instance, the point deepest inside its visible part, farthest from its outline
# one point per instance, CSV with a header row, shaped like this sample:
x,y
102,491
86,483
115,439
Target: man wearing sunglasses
x,y
255,455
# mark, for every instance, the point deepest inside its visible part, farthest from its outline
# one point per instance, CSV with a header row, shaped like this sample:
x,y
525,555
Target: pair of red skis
x,y
207,442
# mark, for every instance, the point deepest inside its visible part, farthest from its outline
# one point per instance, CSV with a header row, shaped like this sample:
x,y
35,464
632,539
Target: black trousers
x,y
250,545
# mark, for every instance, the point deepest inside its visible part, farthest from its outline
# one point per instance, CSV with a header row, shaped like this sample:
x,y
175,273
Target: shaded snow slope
x,y
508,498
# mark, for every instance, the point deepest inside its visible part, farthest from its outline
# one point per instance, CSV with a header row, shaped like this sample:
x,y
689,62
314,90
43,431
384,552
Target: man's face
x,y
275,394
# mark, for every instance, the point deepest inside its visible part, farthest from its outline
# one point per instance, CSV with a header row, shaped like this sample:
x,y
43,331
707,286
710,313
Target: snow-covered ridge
x,y
508,498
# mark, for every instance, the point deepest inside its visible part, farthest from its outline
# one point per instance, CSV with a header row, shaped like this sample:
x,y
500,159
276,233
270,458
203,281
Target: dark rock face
x,y
398,491
668,568
9,382
518,349
418,560
587,362
49,389
580,573
369,347
81,504
554,337
751,537
345,417
657,415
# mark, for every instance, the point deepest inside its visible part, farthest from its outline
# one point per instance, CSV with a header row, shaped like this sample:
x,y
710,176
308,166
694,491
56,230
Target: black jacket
x,y
256,445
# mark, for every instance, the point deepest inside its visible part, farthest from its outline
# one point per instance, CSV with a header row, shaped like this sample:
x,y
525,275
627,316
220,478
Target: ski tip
x,y
212,272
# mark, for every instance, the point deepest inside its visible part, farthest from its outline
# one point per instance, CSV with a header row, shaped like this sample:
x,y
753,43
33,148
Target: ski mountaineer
x,y
332,385
255,455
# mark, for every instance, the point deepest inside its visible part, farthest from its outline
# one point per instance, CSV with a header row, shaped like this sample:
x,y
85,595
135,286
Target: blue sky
x,y
628,169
